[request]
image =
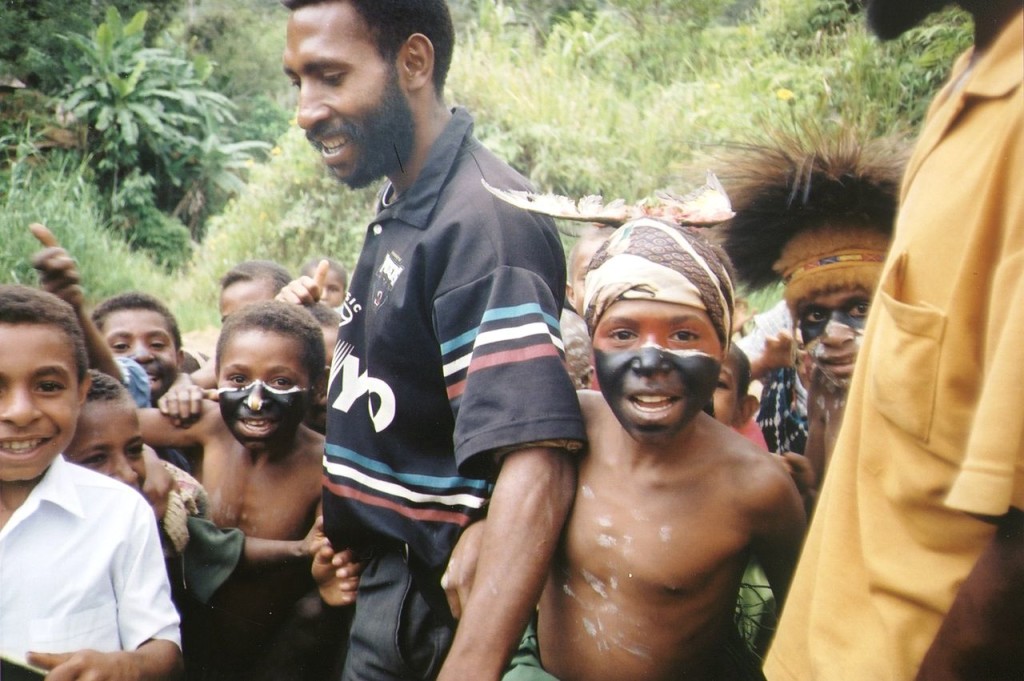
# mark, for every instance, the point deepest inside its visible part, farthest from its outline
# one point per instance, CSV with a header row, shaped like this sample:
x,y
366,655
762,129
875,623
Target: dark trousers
x,y
395,634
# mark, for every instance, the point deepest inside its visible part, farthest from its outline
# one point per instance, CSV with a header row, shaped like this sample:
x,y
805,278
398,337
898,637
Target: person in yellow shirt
x,y
914,562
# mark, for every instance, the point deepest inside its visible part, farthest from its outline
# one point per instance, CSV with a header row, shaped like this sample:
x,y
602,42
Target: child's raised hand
x,y
58,273
778,351
183,401
306,290
336,573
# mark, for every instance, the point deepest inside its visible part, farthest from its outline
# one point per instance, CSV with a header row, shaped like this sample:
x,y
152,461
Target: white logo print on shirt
x,y
355,385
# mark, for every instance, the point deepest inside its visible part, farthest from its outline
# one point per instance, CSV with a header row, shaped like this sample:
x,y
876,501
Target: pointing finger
x,y
43,234
320,277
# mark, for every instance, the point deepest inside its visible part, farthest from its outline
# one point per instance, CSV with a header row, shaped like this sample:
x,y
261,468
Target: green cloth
x,y
756,613
211,555
525,664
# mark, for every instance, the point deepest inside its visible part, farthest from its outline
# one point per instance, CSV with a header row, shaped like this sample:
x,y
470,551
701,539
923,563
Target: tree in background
x,y
30,47
152,130
245,40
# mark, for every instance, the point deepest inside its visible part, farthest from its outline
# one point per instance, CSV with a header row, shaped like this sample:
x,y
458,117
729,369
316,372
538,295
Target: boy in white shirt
x,y
83,588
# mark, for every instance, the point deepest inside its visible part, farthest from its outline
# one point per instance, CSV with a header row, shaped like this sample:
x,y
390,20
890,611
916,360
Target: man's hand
x,y
981,636
457,580
532,495
306,290
58,273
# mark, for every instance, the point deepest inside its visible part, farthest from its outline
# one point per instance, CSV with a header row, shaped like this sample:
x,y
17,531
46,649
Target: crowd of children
x,y
678,518
161,510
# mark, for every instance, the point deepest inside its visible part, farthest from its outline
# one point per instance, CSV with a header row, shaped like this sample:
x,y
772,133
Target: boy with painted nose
x,y
670,504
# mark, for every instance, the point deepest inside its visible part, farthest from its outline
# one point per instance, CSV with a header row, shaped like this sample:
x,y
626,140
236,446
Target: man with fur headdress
x,y
815,214
913,566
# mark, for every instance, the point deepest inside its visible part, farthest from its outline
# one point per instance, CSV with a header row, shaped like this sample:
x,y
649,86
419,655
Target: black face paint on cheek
x,y
287,408
697,374
810,331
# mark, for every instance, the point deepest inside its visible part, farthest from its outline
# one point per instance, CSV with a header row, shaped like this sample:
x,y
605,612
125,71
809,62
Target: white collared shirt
x,y
81,567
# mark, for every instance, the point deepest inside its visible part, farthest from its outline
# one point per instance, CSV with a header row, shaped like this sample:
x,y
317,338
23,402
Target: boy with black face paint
x,y
816,214
670,503
261,467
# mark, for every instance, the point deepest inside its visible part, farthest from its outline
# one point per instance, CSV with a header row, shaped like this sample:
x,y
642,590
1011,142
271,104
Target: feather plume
x,y
705,206
793,184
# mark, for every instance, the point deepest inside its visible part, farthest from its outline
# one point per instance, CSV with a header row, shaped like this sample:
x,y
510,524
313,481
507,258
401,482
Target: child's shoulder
x,y
748,463
759,478
728,445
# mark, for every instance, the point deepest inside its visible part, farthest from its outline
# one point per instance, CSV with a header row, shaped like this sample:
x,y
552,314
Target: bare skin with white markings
x,y
670,507
832,326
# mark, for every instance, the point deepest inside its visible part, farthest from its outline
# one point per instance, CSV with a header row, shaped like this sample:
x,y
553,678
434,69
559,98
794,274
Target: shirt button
x,y
377,229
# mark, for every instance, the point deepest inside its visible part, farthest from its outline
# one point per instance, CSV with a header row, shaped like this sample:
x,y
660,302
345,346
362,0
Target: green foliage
x,y
29,44
150,115
618,97
61,195
165,238
245,40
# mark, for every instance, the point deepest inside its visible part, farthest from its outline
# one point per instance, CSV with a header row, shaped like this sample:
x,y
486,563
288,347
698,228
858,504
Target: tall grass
x,y
59,194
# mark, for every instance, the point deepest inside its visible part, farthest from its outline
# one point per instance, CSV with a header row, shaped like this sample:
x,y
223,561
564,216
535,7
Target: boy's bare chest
x,y
667,541
265,500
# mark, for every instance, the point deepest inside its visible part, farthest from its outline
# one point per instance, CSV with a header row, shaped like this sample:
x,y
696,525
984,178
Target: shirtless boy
x,y
260,465
670,504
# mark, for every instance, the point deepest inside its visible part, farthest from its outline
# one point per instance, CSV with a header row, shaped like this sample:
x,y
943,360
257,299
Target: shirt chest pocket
x,y
904,360
92,628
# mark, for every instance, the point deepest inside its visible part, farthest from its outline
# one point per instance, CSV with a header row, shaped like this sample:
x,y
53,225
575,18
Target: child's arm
x,y
58,274
779,523
154,660
160,431
336,574
184,401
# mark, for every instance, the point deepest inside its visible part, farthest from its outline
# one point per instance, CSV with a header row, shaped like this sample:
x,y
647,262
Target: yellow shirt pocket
x,y
904,363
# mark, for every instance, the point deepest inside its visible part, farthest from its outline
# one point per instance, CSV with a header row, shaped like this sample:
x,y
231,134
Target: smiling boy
x,y
260,466
84,588
670,503
139,326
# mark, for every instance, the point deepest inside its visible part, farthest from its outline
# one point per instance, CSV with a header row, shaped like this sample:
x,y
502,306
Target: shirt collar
x,y
417,203
1000,69
58,488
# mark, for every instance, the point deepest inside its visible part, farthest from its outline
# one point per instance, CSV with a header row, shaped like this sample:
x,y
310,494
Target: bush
x,y
291,211
148,113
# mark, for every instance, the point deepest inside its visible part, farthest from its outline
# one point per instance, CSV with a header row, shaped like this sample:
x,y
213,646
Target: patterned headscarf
x,y
648,259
